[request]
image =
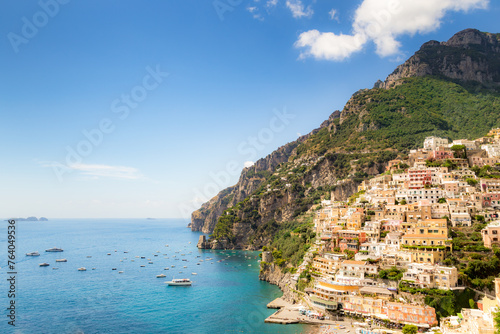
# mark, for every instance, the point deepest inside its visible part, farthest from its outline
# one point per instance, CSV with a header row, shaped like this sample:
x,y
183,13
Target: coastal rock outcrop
x,y
273,274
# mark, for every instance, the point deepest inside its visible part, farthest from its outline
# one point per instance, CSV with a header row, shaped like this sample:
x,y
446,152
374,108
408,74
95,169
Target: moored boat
x,y
44,264
61,260
180,282
54,249
161,276
82,269
33,254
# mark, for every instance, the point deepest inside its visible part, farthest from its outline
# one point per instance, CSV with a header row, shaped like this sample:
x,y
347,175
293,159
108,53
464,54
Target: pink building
x,y
440,154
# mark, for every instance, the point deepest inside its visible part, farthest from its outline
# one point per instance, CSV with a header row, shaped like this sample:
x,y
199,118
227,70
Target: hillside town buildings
x,y
401,219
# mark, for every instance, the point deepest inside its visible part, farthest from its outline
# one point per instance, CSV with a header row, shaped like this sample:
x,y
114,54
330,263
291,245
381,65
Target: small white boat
x,y
120,272
185,266
180,282
161,276
142,266
55,268
172,266
194,274
44,264
33,254
108,254
82,269
61,260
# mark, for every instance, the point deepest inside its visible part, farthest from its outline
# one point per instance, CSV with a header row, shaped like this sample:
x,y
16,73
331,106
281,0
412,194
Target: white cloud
x,y
298,10
328,45
271,3
120,172
333,15
382,21
247,164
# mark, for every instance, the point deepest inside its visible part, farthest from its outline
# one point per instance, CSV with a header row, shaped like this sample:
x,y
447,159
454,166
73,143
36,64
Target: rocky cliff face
x,y
250,179
470,55
273,274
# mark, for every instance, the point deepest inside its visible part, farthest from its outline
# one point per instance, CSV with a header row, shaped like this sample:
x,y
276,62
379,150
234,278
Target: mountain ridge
x,y
428,94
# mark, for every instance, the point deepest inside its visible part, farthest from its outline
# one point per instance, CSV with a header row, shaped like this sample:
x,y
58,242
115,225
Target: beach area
x,y
289,313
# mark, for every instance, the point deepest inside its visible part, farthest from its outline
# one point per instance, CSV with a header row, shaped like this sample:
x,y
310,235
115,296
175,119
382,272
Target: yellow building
x,y
427,240
495,133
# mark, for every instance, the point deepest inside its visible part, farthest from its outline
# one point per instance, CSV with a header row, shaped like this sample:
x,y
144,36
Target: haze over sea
x,y
226,297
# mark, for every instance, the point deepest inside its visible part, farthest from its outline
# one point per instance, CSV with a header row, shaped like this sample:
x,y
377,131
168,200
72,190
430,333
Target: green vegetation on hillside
x,y
445,302
292,240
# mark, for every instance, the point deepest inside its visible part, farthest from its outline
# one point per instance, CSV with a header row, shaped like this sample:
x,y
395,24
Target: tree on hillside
x,y
410,329
459,151
496,320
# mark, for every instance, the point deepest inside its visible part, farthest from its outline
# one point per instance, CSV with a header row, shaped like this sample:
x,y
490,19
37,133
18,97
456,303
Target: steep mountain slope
x,y
448,89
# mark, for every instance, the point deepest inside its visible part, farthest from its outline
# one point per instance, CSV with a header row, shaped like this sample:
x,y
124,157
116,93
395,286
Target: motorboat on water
x,y
180,282
161,276
54,249
33,254
82,269
44,264
61,260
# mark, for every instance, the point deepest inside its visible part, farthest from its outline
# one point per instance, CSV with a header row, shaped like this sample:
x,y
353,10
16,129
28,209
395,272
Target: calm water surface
x,y
226,296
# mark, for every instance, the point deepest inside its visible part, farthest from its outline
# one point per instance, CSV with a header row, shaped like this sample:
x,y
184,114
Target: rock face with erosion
x,y
470,55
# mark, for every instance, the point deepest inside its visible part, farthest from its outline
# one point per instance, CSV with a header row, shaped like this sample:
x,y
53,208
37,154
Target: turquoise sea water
x,y
226,296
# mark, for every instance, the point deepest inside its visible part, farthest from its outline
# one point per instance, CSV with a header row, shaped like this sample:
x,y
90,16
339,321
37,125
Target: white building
x,y
431,276
414,195
431,143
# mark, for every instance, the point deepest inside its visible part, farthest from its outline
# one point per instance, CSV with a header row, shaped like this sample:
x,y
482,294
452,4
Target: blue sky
x,y
176,96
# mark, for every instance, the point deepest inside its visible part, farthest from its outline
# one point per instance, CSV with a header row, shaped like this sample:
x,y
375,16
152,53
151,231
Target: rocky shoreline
x,y
273,274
